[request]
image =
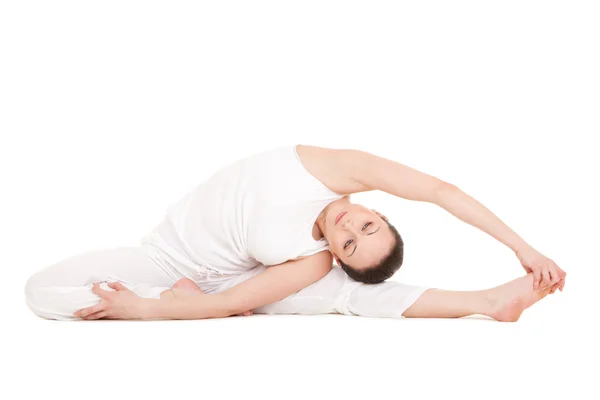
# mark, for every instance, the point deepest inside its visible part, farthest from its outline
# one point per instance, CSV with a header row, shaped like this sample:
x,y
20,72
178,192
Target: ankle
x,y
490,302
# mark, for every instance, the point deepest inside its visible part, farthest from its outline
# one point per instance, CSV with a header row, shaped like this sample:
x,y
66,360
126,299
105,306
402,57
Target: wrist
x,y
145,308
151,308
527,251
521,247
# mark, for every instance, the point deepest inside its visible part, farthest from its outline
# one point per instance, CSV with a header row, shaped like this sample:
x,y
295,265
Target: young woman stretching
x,y
260,236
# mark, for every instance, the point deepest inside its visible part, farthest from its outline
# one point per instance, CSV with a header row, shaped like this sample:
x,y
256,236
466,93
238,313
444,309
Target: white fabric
x,y
337,293
58,290
64,287
258,210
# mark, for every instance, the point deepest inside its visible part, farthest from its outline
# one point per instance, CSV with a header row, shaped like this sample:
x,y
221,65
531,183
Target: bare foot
x,y
508,301
189,286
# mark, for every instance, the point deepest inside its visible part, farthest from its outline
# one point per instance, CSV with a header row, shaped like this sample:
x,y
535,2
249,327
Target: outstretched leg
x,y
503,303
338,293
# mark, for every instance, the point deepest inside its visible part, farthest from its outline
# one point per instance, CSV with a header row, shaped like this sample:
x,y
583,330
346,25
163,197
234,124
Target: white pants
x,y
59,290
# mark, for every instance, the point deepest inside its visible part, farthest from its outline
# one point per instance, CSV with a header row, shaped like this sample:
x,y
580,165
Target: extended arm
x,y
367,171
378,173
273,284
469,210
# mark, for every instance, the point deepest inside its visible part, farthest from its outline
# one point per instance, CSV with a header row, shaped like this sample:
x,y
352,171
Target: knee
x,y
33,287
44,299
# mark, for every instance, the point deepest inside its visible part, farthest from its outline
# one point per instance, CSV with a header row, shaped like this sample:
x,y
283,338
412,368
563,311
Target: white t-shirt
x,y
258,210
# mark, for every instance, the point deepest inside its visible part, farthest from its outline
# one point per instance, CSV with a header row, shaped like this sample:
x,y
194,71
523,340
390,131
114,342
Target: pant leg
x,y
336,292
62,288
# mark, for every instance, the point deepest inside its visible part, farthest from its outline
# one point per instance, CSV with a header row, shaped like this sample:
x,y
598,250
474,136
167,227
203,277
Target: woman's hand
x,y
545,271
120,304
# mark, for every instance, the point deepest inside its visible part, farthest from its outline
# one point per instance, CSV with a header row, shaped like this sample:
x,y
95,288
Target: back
x,y
258,210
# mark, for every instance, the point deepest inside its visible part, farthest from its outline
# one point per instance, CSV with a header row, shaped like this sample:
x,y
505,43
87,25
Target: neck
x,y
321,225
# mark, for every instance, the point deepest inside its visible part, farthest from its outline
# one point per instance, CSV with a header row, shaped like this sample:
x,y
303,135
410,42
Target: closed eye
x,y
350,241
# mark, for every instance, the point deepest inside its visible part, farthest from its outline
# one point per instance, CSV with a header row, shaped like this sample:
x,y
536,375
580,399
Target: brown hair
x,y
385,268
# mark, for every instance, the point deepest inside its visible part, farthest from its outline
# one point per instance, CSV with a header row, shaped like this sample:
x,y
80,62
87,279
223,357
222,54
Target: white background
x,y
111,111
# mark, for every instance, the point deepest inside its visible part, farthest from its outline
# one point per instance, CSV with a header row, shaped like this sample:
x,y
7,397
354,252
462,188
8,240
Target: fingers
x,y
561,285
536,279
99,291
554,277
116,286
84,312
99,310
563,276
97,315
546,281
555,282
557,276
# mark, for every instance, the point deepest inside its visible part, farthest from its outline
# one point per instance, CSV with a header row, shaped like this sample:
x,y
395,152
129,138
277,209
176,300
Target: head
x,y
363,242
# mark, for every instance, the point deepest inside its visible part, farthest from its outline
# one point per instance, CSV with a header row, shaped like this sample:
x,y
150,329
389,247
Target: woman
x,y
260,236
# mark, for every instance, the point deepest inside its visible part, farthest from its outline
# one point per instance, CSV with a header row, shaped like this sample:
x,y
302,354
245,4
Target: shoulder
x,y
333,167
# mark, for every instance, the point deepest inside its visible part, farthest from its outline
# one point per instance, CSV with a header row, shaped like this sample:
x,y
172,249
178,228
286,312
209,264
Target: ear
x,y
379,214
337,260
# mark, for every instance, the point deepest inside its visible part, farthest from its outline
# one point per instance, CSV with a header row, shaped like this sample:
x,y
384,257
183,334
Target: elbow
x,y
441,189
443,185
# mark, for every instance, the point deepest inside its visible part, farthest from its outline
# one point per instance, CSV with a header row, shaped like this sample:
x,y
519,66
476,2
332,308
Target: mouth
x,y
340,215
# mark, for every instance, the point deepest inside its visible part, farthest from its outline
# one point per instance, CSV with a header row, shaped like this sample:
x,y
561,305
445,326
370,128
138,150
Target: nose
x,y
346,221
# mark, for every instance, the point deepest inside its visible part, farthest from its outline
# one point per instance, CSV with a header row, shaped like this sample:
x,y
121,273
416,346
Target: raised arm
x,y
392,177
378,173
356,168
275,283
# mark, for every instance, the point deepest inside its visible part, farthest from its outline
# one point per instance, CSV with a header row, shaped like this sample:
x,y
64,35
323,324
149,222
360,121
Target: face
x,y
361,237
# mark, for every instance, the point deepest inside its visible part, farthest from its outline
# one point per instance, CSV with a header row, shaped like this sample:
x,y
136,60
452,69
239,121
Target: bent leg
x,y
58,290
